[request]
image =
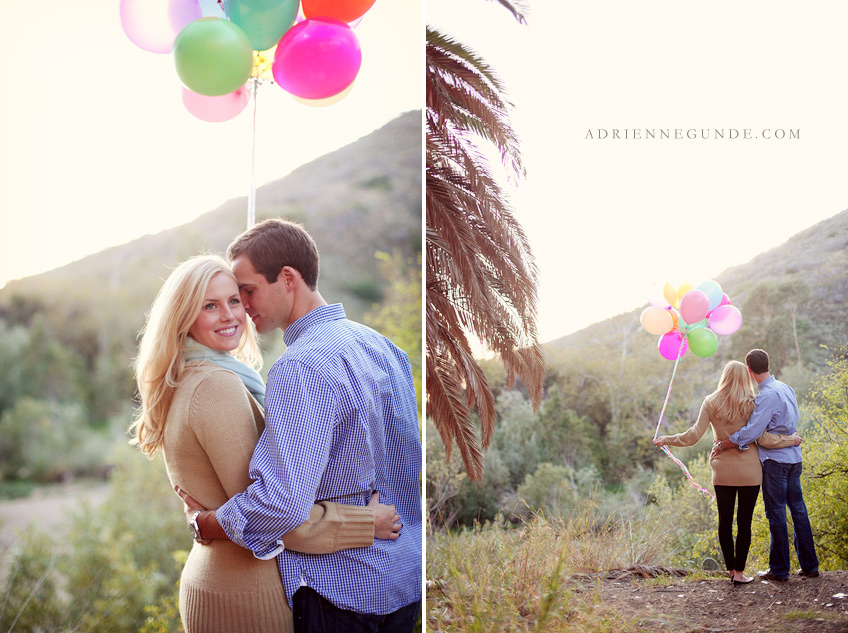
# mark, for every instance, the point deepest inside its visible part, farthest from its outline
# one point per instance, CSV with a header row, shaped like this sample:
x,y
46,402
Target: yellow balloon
x,y
656,320
670,293
682,289
320,103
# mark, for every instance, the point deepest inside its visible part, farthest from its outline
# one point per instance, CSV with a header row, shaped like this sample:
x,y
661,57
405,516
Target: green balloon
x,y
213,57
703,342
263,21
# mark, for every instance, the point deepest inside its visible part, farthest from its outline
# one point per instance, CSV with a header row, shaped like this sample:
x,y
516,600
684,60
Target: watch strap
x,y
193,527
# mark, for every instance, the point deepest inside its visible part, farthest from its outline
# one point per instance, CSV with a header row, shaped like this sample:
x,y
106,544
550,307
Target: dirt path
x,y
46,508
800,605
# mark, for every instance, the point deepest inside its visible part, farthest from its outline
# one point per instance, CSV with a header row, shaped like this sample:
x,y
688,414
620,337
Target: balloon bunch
x,y
218,46
689,318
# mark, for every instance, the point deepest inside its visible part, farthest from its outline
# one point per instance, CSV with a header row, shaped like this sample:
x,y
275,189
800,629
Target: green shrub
x,y
112,563
45,440
28,593
825,450
548,489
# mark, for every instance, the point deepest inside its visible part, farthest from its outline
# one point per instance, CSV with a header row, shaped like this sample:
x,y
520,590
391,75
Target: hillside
x,y
363,198
816,260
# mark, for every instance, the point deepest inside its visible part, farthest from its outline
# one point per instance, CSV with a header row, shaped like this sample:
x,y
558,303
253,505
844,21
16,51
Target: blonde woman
x,y
734,473
201,403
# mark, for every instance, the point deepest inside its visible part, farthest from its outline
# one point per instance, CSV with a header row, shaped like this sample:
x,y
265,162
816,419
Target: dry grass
x,y
537,577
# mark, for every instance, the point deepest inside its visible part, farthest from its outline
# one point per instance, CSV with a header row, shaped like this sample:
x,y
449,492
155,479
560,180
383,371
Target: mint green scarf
x,y
249,376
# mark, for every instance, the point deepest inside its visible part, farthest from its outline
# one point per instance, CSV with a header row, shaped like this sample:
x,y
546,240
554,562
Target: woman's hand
x,y
661,441
206,521
798,439
717,448
387,523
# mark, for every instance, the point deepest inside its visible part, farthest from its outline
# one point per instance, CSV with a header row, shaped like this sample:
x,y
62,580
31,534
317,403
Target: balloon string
x,y
670,383
251,203
665,449
700,488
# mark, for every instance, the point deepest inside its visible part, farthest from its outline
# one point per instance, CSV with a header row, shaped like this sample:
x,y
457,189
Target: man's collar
x,y
321,314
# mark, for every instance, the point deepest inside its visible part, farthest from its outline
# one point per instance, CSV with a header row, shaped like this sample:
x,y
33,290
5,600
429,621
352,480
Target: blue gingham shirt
x,y
775,411
341,422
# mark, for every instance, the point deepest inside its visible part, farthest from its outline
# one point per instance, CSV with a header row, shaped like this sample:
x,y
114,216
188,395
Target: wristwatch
x,y
193,527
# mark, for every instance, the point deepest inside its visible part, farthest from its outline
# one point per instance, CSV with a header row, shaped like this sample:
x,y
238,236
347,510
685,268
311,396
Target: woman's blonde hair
x,y
159,365
735,394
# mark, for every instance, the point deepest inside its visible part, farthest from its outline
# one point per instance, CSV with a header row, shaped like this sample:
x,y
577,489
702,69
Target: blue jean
x,y
313,613
782,488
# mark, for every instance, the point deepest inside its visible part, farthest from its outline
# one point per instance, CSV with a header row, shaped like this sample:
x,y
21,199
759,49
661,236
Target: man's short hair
x,y
273,244
757,361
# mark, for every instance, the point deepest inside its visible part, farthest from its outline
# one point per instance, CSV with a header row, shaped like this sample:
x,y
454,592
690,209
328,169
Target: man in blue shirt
x,y
341,425
776,411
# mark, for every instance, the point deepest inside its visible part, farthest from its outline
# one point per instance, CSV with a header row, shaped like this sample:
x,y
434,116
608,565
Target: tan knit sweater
x,y
212,428
732,467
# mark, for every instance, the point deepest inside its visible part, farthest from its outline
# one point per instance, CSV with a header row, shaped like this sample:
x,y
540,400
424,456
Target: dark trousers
x,y
782,488
313,613
735,554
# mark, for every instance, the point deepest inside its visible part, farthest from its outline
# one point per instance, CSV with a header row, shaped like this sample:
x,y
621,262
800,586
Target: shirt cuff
x,y
233,524
734,437
272,553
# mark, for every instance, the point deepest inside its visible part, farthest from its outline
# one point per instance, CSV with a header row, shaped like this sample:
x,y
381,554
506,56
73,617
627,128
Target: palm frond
x,y
481,274
518,8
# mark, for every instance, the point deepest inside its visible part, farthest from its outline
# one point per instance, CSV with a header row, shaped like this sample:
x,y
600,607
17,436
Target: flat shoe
x,y
807,574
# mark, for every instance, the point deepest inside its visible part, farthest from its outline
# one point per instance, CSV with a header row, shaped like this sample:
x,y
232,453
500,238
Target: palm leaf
x,y
481,276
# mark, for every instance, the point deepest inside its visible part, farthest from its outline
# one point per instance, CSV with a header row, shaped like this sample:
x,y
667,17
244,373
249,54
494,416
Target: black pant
x,y
735,557
313,613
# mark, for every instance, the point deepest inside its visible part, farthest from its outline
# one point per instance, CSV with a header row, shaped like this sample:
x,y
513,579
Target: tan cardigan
x,y
213,426
732,467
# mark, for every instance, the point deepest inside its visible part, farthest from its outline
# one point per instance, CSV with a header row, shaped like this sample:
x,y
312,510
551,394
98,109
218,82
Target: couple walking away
x,y
740,423
285,487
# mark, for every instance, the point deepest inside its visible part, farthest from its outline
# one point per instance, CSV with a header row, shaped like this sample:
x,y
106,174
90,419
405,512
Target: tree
x,y
775,320
481,275
825,451
398,317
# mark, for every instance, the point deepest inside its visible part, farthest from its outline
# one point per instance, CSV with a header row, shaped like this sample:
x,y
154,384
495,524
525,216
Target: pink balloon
x,y
317,58
181,12
725,319
216,109
725,300
694,306
154,24
670,346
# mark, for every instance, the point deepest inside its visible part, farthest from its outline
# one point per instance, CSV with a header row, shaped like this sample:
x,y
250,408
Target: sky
x,y
97,149
609,219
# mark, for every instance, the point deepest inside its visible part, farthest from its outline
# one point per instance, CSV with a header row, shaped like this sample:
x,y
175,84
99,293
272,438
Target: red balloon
x,y
344,10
